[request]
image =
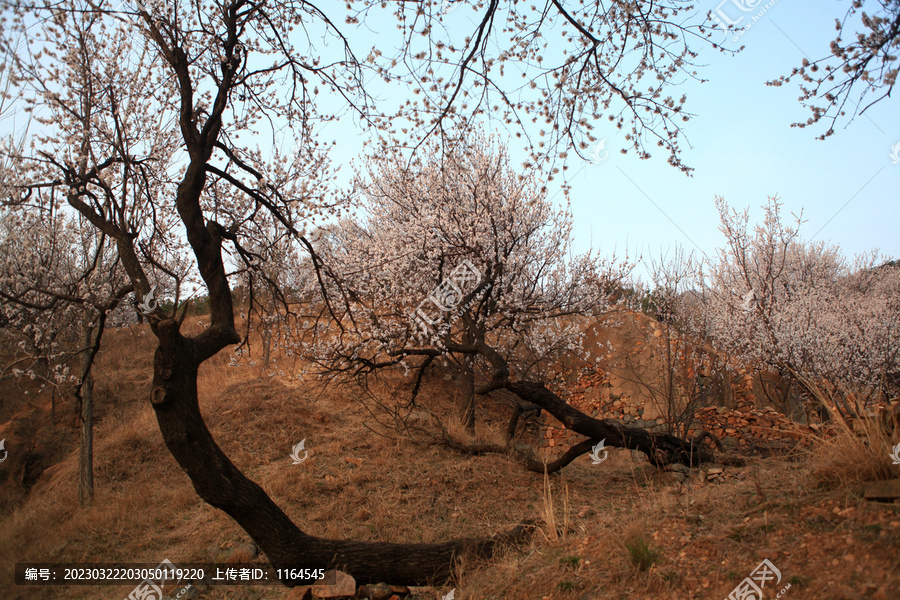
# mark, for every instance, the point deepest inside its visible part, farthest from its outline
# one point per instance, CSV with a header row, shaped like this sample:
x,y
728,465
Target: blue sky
x,y
741,147
745,150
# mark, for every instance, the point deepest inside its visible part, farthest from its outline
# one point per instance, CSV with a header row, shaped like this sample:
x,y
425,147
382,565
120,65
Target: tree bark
x,y
266,330
267,345
222,485
85,395
519,410
661,449
469,393
86,450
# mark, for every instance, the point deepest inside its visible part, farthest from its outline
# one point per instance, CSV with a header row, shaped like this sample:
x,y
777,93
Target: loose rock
x,y
340,585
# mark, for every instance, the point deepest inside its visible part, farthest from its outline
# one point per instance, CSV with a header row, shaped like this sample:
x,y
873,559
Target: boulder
x,y
339,585
375,591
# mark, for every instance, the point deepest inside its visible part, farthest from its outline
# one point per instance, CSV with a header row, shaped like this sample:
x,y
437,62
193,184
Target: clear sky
x,y
742,148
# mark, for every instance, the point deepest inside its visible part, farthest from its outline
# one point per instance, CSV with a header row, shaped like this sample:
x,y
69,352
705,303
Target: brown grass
x,y
860,452
707,536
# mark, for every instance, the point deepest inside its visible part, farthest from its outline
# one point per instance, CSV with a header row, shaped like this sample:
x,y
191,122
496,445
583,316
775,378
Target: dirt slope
x,y
705,531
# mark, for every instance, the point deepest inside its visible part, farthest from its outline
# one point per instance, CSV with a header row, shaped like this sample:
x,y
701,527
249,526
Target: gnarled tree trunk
x,y
221,484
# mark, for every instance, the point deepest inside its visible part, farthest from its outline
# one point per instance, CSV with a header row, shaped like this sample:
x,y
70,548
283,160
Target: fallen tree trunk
x,y
525,455
661,448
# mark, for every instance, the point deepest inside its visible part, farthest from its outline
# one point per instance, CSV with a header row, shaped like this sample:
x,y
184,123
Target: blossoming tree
x,y
490,258
864,61
208,81
59,282
826,326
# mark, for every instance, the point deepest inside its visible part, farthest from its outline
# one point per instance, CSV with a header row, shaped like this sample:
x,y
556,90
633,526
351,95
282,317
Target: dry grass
x,y
697,540
859,452
554,531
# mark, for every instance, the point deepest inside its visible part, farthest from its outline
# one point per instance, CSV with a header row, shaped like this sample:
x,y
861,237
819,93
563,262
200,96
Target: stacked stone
x,y
749,427
743,426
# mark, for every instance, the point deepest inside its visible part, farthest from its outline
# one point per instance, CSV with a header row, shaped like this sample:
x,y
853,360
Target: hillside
x,y
704,530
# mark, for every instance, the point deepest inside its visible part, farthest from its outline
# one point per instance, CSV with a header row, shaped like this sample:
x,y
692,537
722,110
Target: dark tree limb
x,y
522,453
661,448
220,483
528,460
520,409
537,466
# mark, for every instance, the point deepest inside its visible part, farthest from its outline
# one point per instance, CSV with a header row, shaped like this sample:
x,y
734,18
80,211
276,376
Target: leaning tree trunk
x,y
660,448
221,484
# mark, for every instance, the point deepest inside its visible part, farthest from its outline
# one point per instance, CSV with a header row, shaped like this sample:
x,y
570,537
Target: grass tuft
x,y
859,452
642,555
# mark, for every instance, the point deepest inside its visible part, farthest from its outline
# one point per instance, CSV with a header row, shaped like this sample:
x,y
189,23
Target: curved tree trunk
x,y
221,484
660,448
519,409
